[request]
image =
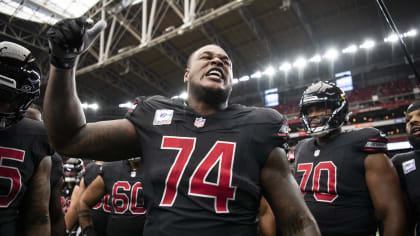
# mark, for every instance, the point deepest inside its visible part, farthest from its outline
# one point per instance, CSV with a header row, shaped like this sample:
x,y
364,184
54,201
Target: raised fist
x,y
69,38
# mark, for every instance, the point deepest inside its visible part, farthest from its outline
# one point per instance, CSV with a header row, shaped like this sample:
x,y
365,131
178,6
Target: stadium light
x,y
331,54
256,75
368,44
93,106
350,49
270,71
411,33
183,95
126,105
285,67
316,59
300,63
235,81
244,78
392,38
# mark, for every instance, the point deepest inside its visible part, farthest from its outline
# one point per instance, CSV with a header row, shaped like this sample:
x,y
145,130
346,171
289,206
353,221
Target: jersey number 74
x,y
222,191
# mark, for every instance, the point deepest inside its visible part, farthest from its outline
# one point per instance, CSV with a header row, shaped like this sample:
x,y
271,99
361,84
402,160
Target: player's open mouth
x,y
415,131
215,74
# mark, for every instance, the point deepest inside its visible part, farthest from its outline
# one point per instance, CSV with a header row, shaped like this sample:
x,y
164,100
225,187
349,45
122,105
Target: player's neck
x,y
322,141
204,108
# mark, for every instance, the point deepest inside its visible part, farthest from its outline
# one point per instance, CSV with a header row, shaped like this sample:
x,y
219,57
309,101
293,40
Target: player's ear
x,y
187,72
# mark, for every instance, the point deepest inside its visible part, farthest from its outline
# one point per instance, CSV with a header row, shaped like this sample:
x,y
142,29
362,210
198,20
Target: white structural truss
x,y
192,14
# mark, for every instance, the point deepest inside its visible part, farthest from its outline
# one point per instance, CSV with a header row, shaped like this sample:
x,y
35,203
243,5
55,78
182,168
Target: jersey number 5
x,y
330,171
10,175
222,191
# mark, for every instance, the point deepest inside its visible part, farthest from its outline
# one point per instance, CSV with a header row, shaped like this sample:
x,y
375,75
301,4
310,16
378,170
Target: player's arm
x,y
266,219
36,202
58,226
63,114
384,188
71,215
281,191
93,193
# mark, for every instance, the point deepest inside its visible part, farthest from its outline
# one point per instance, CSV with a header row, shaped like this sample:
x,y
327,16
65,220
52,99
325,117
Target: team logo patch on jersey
x,y
316,153
409,166
199,122
163,117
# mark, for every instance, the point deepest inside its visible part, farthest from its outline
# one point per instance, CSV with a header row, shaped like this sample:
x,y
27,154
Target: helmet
x,y
20,80
324,95
73,168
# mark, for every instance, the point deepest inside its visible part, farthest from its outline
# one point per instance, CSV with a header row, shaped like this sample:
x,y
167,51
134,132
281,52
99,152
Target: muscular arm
x,y
71,216
281,191
58,226
384,189
90,197
36,202
67,128
267,220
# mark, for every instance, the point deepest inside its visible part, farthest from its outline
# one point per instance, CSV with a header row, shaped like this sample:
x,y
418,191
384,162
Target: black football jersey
x,y
100,212
202,173
125,188
405,164
332,180
22,148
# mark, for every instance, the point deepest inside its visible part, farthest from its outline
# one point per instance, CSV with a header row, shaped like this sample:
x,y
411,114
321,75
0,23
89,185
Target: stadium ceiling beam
x,y
296,7
152,42
211,33
166,48
257,29
23,35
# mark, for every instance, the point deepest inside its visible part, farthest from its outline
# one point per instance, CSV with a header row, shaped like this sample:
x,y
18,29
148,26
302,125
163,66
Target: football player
x,y
122,180
100,212
405,164
25,162
58,227
346,178
206,162
70,193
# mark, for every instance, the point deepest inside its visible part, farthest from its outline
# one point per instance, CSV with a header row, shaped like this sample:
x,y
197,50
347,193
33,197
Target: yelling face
x,y
413,127
209,74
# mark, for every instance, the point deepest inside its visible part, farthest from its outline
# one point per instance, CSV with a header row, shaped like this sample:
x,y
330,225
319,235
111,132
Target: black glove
x,y
69,38
88,231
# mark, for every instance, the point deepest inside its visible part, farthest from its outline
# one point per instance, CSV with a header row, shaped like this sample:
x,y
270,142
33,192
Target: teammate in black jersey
x,y
73,168
122,180
100,212
58,227
25,162
346,178
406,163
206,162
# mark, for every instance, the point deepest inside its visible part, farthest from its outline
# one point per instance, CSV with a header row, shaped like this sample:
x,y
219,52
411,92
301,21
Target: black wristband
x,y
62,63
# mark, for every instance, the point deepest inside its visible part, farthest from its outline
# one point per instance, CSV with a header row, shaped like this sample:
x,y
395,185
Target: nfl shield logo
x,y
199,122
409,166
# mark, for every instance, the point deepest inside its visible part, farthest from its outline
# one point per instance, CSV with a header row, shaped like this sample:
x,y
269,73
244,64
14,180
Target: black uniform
x,y
22,148
332,180
100,211
405,164
126,195
202,173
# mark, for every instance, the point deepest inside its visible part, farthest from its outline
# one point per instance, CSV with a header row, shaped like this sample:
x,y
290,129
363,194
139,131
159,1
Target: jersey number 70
x,y
222,191
330,171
